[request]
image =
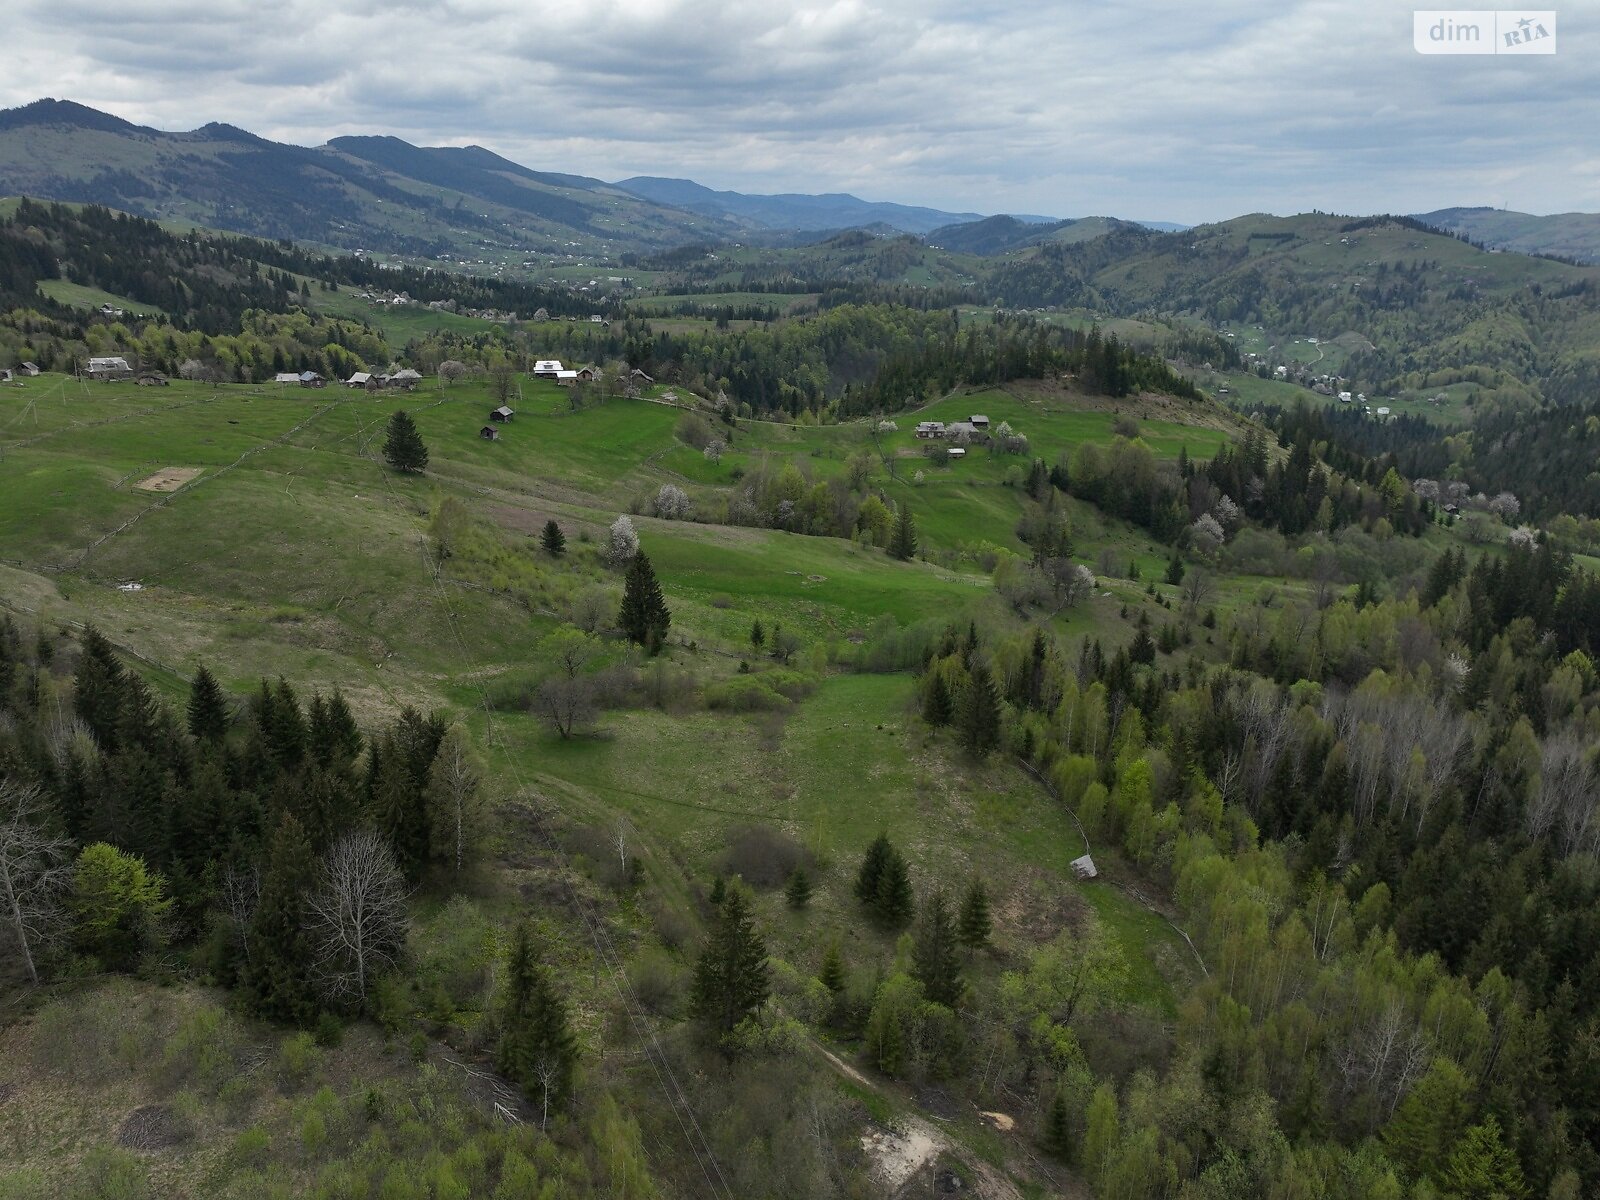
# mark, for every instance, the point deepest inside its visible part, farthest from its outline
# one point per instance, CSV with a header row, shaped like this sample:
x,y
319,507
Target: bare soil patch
x,y
169,479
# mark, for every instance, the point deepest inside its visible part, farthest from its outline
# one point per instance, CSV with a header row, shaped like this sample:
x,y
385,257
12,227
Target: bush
x,y
658,981
107,1173
763,856
298,1057
744,693
204,1048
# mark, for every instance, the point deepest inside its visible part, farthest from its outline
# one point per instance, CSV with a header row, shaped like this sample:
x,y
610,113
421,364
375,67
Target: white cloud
x,y
1154,108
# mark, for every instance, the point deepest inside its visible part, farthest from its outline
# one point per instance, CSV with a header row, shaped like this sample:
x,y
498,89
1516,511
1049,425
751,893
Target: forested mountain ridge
x,y
1566,235
1434,309
349,195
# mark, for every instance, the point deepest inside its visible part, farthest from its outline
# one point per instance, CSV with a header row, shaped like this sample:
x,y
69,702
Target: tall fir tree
x,y
644,617
937,707
894,902
831,976
208,708
903,541
979,715
730,978
552,539
871,870
797,892
975,924
935,958
280,955
537,1049
402,444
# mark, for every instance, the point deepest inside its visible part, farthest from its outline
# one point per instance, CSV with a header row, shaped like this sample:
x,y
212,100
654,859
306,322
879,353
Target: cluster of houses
x,y
20,371
974,429
405,379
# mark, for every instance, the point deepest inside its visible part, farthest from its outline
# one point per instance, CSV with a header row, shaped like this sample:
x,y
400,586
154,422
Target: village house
x,y
311,379
27,368
639,377
359,380
930,429
405,378
286,377
965,431
108,368
979,421
588,374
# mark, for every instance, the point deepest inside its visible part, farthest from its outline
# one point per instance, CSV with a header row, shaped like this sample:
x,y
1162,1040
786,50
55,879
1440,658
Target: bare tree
x,y
455,799
35,868
569,701
1197,588
358,915
241,892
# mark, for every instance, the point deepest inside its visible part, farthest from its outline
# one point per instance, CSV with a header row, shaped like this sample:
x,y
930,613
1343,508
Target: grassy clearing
x,y
81,296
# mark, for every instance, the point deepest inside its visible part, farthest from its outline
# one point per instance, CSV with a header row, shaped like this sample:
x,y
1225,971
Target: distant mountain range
x,y
382,193
1570,235
837,210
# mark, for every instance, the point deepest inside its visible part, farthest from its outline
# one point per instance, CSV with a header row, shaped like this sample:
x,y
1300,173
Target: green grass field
x,y
295,551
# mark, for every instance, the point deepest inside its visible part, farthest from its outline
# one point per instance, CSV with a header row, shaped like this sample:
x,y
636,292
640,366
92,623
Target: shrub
x,y
107,1173
744,693
763,856
298,1057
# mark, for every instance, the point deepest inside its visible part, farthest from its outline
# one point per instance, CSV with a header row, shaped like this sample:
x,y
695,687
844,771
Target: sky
x,y
1179,110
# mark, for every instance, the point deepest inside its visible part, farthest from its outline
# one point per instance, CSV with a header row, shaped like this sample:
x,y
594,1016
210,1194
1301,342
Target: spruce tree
x,y
552,539
279,951
831,975
936,962
1058,1126
537,1049
903,541
798,890
937,707
1174,574
730,978
979,716
402,445
758,635
871,871
894,901
975,924
208,710
644,617
719,890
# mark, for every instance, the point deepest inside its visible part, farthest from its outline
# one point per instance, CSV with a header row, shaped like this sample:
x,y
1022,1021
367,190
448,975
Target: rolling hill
x,y
1000,235
1572,235
1429,310
357,192
793,211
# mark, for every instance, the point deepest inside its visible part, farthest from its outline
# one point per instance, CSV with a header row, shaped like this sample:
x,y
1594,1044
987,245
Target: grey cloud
x,y
1156,108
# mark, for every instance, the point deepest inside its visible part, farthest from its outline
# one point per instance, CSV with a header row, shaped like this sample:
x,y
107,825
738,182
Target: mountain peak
x,y
67,113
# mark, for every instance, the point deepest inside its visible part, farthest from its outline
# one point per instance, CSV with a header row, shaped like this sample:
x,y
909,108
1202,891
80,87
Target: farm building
x,y
286,377
502,414
638,376
489,433
930,429
963,430
27,368
588,374
310,379
405,378
108,368
979,421
6,376
359,380
956,452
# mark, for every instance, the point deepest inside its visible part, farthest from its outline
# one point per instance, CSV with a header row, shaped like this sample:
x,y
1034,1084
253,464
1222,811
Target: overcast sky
x,y
1151,109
